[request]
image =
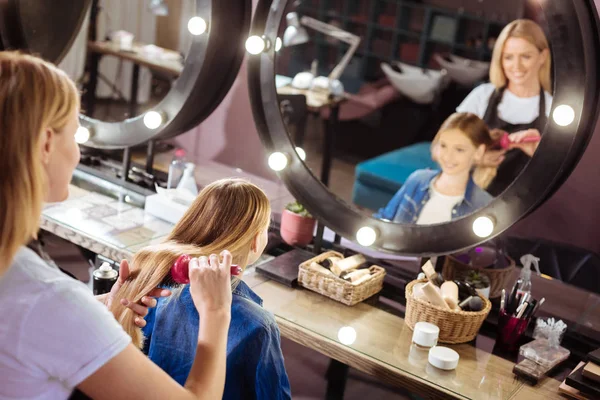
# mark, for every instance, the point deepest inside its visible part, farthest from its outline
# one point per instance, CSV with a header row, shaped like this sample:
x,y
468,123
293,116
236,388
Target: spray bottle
x,y
525,286
188,181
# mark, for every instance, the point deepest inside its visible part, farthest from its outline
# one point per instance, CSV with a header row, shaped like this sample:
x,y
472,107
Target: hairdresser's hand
x,y
148,301
210,283
492,158
516,141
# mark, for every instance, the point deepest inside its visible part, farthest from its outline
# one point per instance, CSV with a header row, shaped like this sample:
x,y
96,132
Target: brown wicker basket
x,y
499,278
455,326
336,288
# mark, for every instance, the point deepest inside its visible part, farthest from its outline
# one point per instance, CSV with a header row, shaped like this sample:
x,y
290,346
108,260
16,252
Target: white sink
x,y
418,84
463,70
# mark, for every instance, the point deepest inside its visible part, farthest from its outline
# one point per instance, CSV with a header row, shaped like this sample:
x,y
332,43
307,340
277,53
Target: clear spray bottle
x,y
525,286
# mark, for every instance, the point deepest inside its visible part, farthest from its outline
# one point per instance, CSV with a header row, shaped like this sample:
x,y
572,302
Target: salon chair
x,y
573,265
294,113
378,179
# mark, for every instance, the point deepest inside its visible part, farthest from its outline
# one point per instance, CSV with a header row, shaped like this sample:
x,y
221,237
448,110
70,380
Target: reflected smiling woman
x,y
517,99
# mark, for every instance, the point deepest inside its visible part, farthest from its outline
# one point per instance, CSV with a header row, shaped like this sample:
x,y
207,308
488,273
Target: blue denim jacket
x,y
407,203
255,368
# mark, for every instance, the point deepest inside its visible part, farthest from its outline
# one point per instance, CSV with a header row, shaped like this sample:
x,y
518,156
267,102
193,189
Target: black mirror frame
x,y
574,37
209,71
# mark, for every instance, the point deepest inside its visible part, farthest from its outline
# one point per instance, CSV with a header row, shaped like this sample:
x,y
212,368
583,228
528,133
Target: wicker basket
x,y
499,278
336,288
455,326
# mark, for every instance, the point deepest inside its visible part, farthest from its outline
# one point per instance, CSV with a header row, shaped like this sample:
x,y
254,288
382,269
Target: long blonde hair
x,y
34,96
478,132
226,215
533,33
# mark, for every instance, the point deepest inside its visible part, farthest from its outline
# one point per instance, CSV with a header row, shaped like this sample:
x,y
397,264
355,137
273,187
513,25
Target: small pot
x,y
295,229
485,292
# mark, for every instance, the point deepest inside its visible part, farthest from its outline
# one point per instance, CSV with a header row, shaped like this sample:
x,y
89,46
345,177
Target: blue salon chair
x,y
377,180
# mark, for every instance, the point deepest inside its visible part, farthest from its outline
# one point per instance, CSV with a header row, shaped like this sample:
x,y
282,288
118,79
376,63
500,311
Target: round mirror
x,y
431,126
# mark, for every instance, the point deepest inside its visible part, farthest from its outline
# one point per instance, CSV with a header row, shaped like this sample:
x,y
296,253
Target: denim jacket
x,y
407,203
255,368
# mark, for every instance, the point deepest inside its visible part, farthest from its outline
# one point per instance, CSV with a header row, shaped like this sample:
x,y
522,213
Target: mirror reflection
x,y
128,55
416,112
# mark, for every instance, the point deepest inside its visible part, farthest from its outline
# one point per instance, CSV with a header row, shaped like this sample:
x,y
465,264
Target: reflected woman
x,y
433,197
517,99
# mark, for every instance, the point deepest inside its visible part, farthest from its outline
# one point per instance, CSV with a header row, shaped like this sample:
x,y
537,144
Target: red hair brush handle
x,y
505,141
180,268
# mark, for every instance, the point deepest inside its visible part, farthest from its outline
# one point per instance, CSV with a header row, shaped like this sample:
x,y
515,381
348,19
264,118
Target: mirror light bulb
x,y
153,119
483,227
278,161
278,44
255,45
301,153
197,26
366,236
563,115
347,335
82,135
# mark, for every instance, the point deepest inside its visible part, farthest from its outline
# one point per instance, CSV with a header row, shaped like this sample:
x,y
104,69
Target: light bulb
x,y
347,335
82,135
278,161
366,236
301,153
563,115
483,227
278,44
255,45
153,119
197,26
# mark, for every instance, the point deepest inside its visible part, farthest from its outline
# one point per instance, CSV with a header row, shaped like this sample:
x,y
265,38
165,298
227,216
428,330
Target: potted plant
x,y
297,225
480,282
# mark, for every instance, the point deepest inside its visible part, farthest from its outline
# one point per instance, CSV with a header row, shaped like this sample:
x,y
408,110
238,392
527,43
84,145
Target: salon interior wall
x,y
505,10
229,135
572,215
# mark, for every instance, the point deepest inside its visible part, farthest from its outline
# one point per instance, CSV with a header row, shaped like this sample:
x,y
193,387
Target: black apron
x,y
515,160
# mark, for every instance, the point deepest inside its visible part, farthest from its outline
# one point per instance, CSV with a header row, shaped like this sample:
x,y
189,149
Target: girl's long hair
x,y
34,96
478,132
226,215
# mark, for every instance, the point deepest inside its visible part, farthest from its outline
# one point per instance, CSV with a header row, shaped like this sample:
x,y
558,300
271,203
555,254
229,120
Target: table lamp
x,y
296,34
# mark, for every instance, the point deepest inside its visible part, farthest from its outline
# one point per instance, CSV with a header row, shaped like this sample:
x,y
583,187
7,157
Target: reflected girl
x,y
431,196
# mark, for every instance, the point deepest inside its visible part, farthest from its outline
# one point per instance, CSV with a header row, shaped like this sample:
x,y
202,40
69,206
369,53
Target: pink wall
x,y
229,135
572,215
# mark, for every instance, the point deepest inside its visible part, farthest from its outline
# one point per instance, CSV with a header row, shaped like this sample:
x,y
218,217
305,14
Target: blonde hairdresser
x,y
56,337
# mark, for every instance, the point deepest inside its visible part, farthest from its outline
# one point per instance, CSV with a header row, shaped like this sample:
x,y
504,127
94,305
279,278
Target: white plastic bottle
x,y
527,260
188,180
176,169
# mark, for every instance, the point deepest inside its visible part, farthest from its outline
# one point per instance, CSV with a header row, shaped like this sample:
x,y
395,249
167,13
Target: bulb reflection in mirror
x,y
278,44
255,45
301,153
278,161
366,236
483,227
197,26
153,119
347,335
563,115
82,135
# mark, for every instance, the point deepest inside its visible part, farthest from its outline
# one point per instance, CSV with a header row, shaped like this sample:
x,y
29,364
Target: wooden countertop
x,y
170,65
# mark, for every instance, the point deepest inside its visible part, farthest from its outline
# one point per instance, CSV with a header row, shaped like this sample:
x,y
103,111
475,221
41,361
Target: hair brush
x,y
180,270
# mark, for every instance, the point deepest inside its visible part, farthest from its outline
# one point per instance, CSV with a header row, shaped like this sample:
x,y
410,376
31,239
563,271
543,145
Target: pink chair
x,y
371,97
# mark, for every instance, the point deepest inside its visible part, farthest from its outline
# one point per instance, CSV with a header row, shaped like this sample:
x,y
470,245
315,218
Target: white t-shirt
x,y
438,208
512,109
54,333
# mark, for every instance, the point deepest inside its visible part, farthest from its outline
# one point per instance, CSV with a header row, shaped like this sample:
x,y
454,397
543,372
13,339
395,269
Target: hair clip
x,y
180,268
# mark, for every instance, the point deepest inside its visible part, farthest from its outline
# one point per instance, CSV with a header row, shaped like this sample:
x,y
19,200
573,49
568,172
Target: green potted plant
x,y
479,282
297,225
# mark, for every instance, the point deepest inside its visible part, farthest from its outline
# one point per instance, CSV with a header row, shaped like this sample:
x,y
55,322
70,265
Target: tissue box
x,y
164,208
